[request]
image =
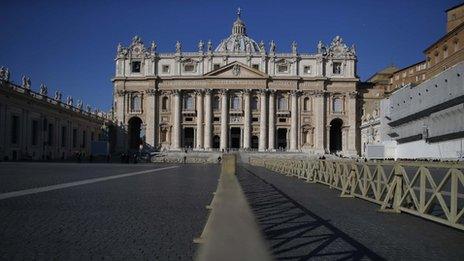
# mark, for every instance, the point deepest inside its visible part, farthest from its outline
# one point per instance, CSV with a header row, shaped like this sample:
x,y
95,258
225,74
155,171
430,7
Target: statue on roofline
x,y
178,47
272,46
210,46
43,90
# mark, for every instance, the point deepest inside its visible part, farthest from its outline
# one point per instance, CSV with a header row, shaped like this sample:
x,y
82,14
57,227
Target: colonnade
x,y
204,120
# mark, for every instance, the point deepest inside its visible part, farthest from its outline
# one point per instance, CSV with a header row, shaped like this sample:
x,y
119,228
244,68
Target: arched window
x,y
235,103
306,104
188,102
136,103
164,103
254,103
282,104
337,105
216,103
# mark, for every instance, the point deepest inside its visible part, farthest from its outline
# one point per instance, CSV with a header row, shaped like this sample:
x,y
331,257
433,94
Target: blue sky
x,y
70,45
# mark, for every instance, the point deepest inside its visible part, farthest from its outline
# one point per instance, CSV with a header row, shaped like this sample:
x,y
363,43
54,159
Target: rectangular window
x,y
337,68
50,134
165,68
135,66
14,129
188,119
307,70
189,68
63,136
282,120
216,66
74,138
255,66
92,136
35,132
282,68
255,119
216,119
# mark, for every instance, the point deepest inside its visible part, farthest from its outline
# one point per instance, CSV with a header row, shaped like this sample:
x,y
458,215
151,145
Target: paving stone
x,y
151,216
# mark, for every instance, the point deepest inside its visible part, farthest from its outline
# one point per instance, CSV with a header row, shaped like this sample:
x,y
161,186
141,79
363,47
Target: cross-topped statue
x,y
239,11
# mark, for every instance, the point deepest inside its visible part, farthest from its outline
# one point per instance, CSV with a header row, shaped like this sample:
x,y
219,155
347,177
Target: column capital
x,y
295,92
223,91
247,91
121,92
262,91
208,91
176,92
151,92
319,93
199,92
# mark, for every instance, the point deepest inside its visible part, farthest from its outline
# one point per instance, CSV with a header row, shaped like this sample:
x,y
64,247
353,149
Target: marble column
x,y
208,123
352,136
121,145
246,119
294,122
263,122
271,145
151,118
224,120
176,115
200,136
319,112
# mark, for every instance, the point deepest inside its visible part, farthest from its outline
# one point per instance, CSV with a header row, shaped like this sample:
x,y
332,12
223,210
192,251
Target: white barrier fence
x,y
427,191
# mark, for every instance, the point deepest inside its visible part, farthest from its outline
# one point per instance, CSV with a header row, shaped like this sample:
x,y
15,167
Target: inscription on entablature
x,y
283,84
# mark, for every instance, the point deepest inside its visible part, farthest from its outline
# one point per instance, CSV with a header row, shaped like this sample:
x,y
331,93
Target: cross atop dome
x,y
239,11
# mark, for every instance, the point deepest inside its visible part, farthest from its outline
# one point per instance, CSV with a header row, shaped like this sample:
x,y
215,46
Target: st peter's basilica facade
x,y
238,95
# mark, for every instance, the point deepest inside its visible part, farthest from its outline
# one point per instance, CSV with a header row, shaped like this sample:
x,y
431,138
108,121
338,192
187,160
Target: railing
x,y
427,191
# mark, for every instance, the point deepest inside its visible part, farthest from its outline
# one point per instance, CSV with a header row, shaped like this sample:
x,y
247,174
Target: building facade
x,y
371,93
237,96
379,130
35,126
439,56
427,120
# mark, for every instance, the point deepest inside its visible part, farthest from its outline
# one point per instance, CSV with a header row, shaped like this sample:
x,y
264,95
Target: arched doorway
x,y
216,141
189,134
336,135
235,137
254,142
282,139
135,129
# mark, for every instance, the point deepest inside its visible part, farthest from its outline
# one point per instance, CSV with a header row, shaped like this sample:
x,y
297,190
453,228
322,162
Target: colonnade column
x,y
294,123
208,127
319,109
263,122
271,145
246,120
175,137
199,104
151,118
120,115
224,120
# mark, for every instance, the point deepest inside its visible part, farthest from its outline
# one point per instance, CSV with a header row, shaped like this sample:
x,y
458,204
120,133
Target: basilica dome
x,y
238,41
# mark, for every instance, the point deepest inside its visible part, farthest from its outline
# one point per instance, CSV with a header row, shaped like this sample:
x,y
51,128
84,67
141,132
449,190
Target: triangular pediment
x,y
236,70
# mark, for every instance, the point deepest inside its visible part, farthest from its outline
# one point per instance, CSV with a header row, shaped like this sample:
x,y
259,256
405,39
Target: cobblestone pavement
x,y
152,216
304,221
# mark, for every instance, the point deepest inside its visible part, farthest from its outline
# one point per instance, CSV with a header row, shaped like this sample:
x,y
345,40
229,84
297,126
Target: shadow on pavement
x,y
293,231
